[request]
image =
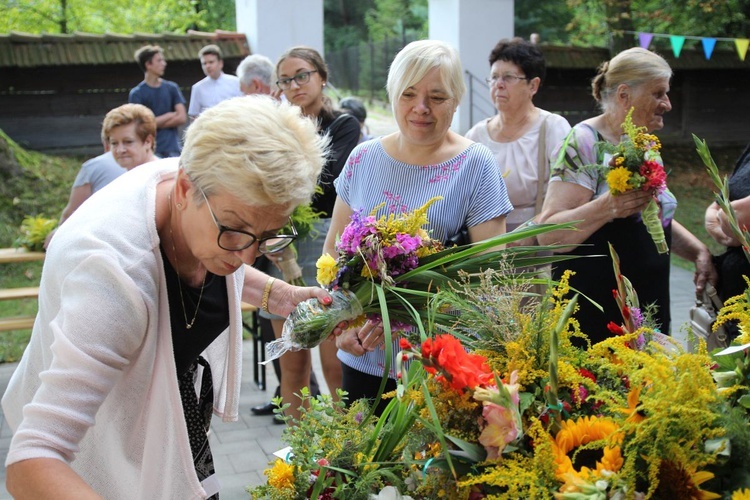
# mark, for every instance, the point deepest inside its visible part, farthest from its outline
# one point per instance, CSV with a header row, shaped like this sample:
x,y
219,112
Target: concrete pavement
x,y
243,449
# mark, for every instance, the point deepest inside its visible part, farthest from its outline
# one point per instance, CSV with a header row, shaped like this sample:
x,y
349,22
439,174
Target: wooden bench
x,y
17,255
12,256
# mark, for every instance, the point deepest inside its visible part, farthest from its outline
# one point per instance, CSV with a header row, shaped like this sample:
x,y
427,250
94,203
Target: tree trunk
x,y
619,20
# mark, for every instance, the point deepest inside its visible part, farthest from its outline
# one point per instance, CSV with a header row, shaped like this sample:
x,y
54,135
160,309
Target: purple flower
x,y
637,316
355,232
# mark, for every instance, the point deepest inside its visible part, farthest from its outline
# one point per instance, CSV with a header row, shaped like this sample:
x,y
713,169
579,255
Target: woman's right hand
x,y
358,341
623,205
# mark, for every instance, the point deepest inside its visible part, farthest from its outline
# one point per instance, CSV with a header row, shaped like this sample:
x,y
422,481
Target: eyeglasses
x,y
235,240
301,78
508,79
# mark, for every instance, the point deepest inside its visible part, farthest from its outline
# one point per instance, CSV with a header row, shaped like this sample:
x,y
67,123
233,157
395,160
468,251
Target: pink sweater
x,y
97,385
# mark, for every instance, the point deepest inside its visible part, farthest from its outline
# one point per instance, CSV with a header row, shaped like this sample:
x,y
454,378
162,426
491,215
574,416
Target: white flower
x,y
390,493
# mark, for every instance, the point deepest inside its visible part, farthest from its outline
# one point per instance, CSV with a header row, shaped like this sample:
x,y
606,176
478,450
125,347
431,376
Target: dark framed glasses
x,y
301,78
235,240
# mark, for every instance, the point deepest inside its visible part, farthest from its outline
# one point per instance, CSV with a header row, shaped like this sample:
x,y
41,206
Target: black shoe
x,y
278,420
266,409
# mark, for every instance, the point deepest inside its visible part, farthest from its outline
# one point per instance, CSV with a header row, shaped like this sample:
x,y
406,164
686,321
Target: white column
x,y
273,26
473,27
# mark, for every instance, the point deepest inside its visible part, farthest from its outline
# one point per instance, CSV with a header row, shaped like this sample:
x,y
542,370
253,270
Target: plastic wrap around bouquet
x,y
389,269
370,251
636,164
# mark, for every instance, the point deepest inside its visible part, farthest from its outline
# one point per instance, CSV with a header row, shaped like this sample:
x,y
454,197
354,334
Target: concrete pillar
x,y
473,27
273,26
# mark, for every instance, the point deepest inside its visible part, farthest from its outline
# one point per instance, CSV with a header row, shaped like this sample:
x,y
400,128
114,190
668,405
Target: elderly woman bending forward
x,y
139,305
639,79
405,169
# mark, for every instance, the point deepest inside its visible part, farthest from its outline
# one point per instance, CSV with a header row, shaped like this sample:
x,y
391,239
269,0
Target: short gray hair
x,y
258,150
255,66
415,60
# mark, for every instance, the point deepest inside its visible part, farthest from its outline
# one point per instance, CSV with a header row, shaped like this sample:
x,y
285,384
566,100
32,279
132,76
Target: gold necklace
x,y
190,324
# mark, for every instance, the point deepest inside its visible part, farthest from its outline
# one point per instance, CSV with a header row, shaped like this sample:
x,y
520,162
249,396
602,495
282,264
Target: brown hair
x,y
145,122
313,57
145,54
210,50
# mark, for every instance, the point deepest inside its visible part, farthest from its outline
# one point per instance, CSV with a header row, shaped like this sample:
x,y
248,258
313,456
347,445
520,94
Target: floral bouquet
x,y
523,413
34,231
389,268
636,164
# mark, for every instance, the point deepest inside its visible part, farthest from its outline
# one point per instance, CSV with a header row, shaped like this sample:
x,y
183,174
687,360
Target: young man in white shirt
x,y
216,87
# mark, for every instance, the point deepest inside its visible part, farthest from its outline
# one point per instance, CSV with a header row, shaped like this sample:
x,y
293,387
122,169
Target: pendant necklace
x,y
189,324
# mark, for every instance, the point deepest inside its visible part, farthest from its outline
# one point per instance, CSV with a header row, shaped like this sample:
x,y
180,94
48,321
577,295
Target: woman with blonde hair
x,y
138,338
405,169
130,132
128,135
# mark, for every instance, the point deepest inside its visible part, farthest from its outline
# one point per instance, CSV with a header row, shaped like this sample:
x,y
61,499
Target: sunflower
x,y
675,481
743,494
578,433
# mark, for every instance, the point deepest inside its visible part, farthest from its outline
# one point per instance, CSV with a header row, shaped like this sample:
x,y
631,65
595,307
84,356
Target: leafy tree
x,y
603,22
396,17
345,23
68,16
549,19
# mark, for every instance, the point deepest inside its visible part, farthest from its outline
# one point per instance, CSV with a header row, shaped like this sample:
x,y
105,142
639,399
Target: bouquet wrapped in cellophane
x,y
389,268
637,164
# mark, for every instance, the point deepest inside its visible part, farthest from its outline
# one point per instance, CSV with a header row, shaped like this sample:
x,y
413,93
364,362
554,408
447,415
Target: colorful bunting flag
x,y
645,39
677,42
708,47
741,44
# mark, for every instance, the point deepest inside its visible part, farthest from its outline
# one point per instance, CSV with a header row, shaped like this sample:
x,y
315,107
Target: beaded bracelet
x,y
267,294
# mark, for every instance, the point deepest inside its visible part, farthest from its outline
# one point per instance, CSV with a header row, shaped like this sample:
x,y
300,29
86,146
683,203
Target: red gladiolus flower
x,y
626,312
404,344
615,328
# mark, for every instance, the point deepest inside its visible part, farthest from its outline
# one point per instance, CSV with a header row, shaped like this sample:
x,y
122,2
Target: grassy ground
x,y
45,185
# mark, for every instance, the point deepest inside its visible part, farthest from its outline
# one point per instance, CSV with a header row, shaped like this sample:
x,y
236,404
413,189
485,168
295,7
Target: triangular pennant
x,y
645,39
741,44
708,46
677,43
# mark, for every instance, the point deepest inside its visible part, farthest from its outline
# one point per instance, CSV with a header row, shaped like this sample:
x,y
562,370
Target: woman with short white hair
x,y
405,169
138,338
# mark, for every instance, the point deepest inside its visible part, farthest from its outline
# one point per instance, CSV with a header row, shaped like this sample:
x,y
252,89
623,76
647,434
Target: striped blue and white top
x,y
472,188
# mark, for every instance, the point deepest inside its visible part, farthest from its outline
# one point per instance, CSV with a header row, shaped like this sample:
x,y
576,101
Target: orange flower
x,y
445,357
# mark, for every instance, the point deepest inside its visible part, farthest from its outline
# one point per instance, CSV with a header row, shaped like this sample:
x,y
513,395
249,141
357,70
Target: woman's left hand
x,y
704,272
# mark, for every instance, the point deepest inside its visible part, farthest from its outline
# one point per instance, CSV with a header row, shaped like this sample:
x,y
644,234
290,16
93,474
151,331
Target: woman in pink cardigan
x,y
138,337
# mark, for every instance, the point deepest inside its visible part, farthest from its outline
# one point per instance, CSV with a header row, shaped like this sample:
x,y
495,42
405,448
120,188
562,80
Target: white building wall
x,y
273,26
473,27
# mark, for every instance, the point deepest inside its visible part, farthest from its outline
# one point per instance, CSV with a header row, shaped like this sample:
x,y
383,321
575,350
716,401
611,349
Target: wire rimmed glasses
x,y
507,78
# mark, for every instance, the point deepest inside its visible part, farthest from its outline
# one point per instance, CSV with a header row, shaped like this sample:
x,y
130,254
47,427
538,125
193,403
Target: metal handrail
x,y
478,100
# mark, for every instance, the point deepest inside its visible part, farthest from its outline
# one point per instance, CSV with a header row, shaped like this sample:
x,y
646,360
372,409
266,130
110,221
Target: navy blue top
x,y
160,100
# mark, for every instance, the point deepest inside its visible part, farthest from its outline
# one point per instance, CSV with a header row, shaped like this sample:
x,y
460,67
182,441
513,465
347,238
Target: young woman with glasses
x,y
302,76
